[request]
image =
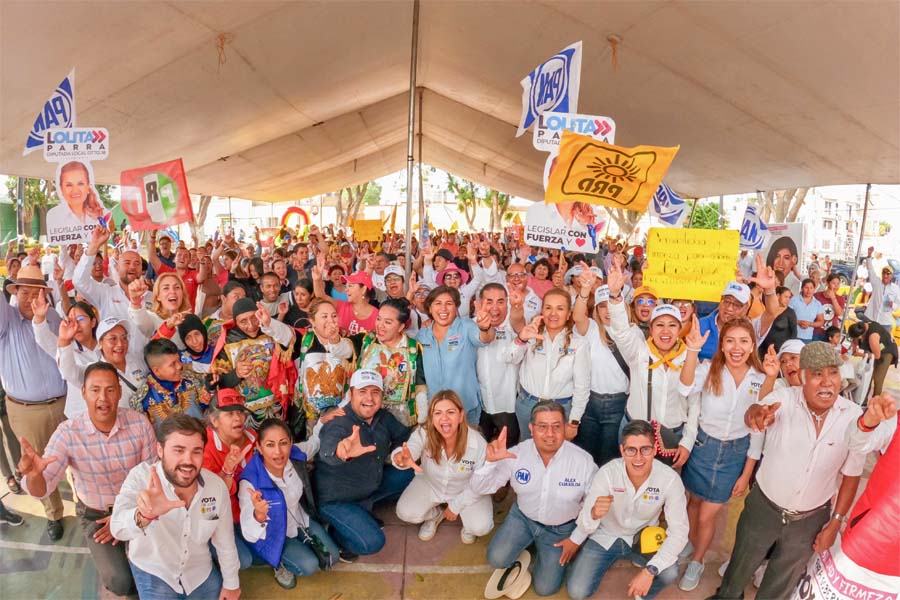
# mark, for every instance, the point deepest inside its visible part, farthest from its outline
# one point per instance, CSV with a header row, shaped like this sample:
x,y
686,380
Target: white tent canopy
x,y
281,100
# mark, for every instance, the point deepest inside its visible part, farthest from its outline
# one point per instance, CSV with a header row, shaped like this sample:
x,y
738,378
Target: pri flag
x,y
590,171
156,197
754,233
552,86
58,111
668,207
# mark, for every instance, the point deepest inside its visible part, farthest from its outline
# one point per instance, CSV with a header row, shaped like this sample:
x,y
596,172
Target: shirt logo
x,y
620,490
523,476
208,507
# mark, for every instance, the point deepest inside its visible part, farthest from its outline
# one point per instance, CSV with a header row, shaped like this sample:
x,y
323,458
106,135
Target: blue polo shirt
x,y
450,365
708,323
806,312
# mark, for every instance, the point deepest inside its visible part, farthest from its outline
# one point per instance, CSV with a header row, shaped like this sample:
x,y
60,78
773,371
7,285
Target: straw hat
x,y
511,582
29,276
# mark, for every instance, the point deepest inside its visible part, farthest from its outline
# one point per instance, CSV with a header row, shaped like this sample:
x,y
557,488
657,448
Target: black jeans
x,y
111,561
598,433
760,526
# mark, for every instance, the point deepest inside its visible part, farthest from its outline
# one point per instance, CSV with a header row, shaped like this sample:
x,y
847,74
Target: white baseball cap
x,y
601,294
576,271
394,270
738,291
366,377
109,323
791,347
664,310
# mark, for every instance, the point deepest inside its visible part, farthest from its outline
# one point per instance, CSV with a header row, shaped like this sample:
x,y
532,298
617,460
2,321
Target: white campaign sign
x,y
550,126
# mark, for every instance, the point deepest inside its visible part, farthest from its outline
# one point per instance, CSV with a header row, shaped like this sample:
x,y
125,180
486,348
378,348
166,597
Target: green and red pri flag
x,y
156,197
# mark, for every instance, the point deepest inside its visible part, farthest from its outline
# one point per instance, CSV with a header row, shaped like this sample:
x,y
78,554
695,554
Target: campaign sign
x,y
58,111
550,126
553,85
79,210
574,226
156,197
76,143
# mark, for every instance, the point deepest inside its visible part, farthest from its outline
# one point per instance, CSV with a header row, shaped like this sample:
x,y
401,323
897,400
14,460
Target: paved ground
x,y
443,569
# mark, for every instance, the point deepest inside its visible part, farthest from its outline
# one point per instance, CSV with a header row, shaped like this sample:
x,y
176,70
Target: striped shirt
x,y
100,462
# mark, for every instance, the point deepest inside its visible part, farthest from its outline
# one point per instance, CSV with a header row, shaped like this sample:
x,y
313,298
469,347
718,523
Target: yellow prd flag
x,y
454,227
590,171
517,220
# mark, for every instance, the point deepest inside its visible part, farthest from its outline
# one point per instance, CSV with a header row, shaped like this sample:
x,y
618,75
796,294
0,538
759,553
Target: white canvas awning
x,y
307,97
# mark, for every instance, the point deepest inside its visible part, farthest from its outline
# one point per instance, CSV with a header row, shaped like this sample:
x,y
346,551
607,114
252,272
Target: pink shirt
x,y
349,323
540,287
100,462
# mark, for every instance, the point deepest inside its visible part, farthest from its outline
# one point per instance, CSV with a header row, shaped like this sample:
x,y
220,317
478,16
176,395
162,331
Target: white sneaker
x,y
468,538
691,578
723,568
759,574
285,578
686,552
429,528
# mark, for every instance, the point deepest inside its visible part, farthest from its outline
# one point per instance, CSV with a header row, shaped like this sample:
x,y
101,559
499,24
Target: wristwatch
x,y
839,517
652,570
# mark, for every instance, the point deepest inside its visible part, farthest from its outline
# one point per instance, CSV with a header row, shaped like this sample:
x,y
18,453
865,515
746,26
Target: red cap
x,y
360,278
229,399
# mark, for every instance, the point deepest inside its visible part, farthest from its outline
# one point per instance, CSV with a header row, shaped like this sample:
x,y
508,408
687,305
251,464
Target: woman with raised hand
x,y
278,512
554,364
169,305
724,449
655,364
449,451
599,430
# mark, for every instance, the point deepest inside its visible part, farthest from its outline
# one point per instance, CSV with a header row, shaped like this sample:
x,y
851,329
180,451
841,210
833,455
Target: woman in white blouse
x,y
169,300
278,516
554,364
449,451
655,365
724,449
599,430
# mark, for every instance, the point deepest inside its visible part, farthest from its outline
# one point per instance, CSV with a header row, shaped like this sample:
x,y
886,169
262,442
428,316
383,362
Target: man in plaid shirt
x,y
100,446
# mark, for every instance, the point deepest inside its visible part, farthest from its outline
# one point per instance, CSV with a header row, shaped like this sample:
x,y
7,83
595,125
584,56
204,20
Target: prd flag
x,y
668,207
58,111
754,233
553,85
156,197
590,171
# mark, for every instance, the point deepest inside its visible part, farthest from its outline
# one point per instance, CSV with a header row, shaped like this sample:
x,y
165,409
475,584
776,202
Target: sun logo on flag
x,y
612,169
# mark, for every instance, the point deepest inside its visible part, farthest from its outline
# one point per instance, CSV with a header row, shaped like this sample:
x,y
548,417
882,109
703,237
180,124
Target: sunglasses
x,y
645,302
452,276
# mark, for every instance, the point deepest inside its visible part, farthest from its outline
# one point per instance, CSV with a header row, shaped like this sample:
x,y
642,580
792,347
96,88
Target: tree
x,y
199,219
498,203
355,197
40,196
373,194
466,198
705,216
884,228
782,206
627,220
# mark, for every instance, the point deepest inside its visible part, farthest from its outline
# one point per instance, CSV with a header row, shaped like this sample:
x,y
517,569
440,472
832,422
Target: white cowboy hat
x,y
511,582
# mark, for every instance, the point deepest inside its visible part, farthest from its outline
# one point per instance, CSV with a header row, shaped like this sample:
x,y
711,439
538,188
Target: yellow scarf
x,y
665,359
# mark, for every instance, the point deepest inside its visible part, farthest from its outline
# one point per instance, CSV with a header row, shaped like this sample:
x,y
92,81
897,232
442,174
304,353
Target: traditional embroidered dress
x,y
159,399
404,380
324,374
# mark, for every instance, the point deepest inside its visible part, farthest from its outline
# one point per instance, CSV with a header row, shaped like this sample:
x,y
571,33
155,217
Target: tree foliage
x,y
373,194
705,216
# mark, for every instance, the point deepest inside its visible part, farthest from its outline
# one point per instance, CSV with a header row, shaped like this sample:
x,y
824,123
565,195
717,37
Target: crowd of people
x,y
220,406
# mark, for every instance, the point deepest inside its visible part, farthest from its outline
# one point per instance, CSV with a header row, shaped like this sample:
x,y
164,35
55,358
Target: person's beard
x,y
176,478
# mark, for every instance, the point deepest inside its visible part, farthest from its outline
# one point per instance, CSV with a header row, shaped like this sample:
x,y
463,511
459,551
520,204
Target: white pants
x,y
419,503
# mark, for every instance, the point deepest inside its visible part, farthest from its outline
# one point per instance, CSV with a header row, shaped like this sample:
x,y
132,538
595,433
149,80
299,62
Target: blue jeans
x,y
245,555
524,403
298,557
598,432
592,562
354,527
517,533
151,587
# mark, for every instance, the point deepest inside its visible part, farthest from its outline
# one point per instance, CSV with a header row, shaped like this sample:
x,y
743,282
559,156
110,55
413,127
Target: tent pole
x,y
411,134
20,213
423,221
862,234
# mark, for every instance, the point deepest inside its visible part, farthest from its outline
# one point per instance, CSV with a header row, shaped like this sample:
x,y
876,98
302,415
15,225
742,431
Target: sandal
x,y
13,485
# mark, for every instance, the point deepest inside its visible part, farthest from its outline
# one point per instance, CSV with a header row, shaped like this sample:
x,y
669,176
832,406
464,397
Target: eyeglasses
x,y
452,276
645,302
631,451
545,427
732,303
80,319
392,278
115,339
516,275
421,294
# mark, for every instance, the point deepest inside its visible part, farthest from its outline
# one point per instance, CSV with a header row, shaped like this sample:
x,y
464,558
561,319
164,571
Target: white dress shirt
x,y
175,547
449,480
111,301
81,356
633,509
722,416
669,407
550,495
799,471
557,371
607,377
865,442
291,487
498,376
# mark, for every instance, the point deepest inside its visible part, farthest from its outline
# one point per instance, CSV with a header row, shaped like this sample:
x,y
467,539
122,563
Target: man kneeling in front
x,y
627,495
